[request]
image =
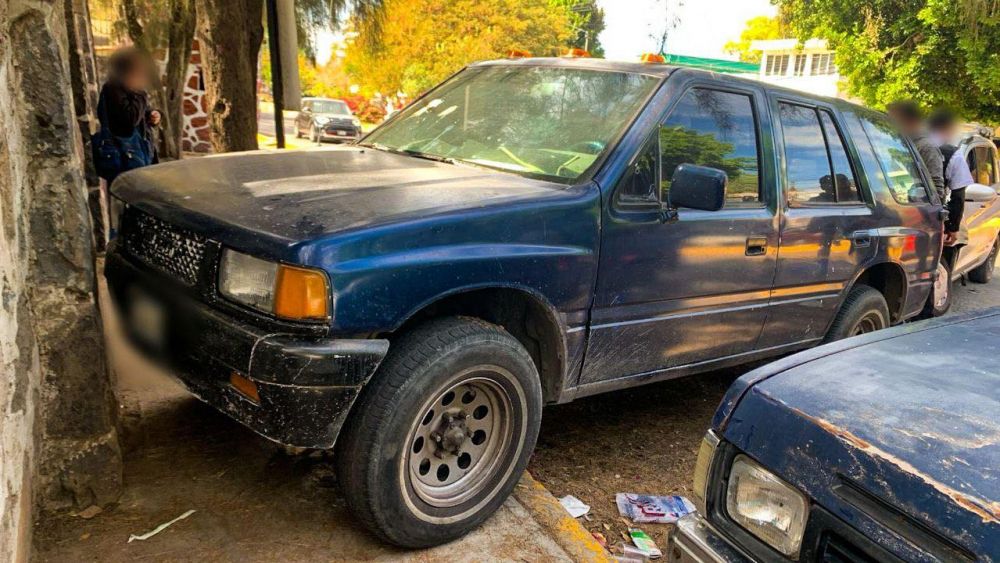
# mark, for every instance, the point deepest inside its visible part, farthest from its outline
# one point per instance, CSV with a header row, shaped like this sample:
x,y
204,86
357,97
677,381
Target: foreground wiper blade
x,y
409,152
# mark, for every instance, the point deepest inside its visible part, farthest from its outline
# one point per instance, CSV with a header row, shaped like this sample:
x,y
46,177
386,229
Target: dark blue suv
x,y
529,232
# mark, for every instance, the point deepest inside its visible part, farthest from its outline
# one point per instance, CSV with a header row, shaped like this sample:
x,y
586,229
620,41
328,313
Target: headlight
x,y
116,208
356,121
766,506
286,291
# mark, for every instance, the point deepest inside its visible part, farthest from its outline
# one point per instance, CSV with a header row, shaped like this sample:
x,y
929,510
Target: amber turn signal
x,y
245,387
518,54
575,53
650,58
301,294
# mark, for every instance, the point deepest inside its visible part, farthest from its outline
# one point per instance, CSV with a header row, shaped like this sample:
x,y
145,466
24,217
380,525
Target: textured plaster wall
x,y
58,437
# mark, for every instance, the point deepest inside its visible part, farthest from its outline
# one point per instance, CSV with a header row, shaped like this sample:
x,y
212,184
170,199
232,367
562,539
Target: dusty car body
x,y
530,232
891,438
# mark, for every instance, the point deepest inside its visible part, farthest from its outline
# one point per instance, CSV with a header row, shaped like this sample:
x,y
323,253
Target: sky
x,y
704,26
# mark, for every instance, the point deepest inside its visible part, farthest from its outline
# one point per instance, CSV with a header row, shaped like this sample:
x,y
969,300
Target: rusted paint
x,y
989,511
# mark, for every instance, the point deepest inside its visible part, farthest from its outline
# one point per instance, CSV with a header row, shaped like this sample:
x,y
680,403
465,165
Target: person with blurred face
x,y
126,103
910,119
943,129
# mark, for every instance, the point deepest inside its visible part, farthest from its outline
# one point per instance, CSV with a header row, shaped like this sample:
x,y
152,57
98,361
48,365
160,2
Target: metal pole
x,y
277,88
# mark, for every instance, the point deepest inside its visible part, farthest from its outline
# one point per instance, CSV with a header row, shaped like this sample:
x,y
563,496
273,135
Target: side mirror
x,y
980,193
698,187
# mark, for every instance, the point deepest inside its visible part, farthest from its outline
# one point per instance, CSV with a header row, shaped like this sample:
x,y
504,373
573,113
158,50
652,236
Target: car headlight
x,y
289,292
356,121
766,506
116,208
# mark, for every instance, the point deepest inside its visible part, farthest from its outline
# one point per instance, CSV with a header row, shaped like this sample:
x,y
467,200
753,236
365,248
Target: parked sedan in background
x,y
883,447
324,119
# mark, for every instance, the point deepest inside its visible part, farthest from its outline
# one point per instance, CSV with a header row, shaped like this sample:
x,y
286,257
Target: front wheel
x,y
983,273
863,311
442,432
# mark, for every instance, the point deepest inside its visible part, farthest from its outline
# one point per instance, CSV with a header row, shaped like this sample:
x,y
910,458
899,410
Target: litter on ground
x,y
574,506
644,543
159,528
650,508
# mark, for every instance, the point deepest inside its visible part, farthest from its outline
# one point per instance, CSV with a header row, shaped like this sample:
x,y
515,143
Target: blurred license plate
x,y
341,133
146,318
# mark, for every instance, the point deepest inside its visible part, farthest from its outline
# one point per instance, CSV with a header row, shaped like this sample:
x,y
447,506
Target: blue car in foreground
x,y
882,447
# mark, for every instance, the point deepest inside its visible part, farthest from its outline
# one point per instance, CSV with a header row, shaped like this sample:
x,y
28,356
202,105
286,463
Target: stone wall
x,y
58,437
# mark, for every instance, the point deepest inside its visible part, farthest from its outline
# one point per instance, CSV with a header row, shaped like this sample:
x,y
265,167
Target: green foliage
x,y
760,27
937,52
422,42
586,20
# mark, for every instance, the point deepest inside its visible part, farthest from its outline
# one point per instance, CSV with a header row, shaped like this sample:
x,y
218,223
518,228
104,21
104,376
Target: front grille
x,y
172,250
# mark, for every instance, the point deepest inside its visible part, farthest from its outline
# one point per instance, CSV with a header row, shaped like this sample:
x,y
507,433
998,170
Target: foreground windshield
x,y
330,106
536,121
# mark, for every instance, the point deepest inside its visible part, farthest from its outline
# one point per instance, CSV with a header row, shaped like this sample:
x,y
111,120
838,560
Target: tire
x,y
298,133
457,387
935,305
863,311
983,273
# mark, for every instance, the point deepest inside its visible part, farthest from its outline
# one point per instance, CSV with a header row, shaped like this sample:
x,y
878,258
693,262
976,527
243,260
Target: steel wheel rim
x,y
942,285
443,470
869,323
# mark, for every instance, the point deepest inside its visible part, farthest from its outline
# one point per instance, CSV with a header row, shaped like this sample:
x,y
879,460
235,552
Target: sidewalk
x,y
253,500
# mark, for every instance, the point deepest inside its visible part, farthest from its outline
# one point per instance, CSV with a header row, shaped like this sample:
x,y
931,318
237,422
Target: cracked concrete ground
x,y
255,502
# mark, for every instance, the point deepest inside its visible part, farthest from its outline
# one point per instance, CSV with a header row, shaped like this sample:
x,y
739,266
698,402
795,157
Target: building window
x,y
823,64
777,65
800,65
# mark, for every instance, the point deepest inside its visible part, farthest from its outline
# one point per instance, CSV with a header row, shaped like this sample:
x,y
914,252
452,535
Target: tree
x,y
422,42
758,28
586,20
938,52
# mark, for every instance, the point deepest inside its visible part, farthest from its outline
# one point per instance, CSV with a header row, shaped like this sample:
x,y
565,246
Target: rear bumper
x,y
306,385
695,541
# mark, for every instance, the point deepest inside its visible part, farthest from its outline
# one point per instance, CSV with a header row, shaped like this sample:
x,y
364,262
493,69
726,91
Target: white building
x,y
808,67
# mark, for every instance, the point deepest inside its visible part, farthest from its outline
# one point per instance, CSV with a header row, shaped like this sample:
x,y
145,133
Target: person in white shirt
x,y
943,128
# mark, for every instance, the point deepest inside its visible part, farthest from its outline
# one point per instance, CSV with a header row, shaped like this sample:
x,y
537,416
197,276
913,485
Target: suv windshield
x,y
330,106
547,122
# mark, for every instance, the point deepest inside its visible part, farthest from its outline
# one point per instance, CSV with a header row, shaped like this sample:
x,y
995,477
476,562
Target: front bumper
x,y
339,135
695,541
306,384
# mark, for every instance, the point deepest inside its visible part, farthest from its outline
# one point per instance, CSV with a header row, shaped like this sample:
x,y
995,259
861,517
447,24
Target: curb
x,y
564,529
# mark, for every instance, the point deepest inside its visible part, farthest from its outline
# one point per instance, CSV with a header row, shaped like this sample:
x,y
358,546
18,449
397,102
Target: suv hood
x,y
300,195
908,415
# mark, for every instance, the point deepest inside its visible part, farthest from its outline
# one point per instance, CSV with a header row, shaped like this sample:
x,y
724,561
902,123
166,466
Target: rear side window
x,y
843,174
715,129
807,165
898,162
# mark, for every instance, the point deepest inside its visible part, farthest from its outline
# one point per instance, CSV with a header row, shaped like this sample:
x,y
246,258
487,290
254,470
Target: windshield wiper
x,y
410,152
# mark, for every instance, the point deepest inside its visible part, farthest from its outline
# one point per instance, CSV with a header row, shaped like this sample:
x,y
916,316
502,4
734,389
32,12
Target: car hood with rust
x,y
300,195
910,416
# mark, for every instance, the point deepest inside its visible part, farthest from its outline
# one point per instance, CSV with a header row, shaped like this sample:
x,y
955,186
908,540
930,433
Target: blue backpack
x,y
113,154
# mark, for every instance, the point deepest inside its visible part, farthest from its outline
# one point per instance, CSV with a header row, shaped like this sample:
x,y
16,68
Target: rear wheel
x,y
939,301
983,273
442,433
863,311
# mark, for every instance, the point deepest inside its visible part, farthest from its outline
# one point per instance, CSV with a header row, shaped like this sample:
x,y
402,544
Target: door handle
x,y
756,246
861,239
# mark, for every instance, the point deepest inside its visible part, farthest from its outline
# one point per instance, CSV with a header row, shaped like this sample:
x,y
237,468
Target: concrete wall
x,y
58,437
